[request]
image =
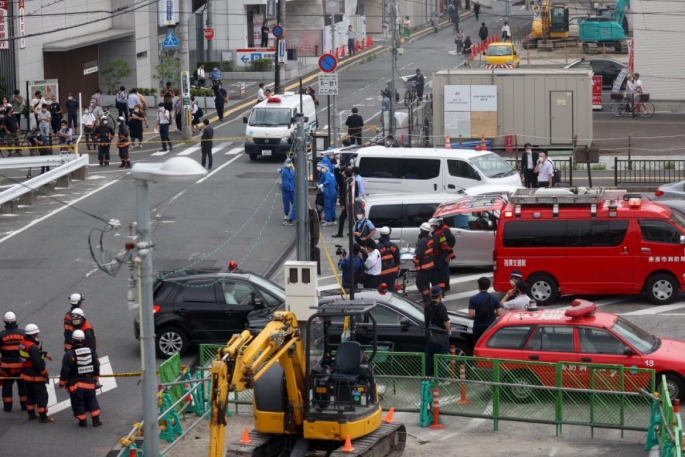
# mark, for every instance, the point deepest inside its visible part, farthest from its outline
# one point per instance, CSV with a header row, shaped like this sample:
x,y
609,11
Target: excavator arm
x,y
242,362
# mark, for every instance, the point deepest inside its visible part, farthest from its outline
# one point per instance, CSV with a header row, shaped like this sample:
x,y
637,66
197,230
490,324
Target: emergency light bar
x,y
274,100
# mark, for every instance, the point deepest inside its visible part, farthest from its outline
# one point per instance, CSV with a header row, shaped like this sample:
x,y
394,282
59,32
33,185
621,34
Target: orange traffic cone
x,y
337,54
483,144
348,445
389,417
370,41
448,143
246,437
342,54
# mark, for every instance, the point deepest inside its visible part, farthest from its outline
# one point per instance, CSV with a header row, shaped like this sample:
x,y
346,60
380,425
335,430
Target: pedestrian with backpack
x,y
484,308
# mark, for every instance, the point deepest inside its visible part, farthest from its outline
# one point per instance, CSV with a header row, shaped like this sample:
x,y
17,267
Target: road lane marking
x,y
234,151
215,171
161,153
218,148
190,150
655,309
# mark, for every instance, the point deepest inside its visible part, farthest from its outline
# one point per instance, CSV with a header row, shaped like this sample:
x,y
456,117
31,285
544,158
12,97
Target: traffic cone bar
x,y
436,425
462,390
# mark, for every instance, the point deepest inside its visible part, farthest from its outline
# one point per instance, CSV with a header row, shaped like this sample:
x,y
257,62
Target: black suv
x,y
206,306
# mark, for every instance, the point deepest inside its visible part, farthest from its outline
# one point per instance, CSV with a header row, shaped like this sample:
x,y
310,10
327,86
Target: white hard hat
x,y
10,317
77,312
78,335
435,221
426,227
385,230
75,299
31,329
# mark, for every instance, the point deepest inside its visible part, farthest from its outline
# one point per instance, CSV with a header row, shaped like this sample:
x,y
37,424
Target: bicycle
x,y
410,94
106,111
643,106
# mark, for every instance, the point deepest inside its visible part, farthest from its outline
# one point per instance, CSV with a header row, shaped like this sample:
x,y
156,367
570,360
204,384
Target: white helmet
x,y
385,230
31,329
10,317
75,299
77,313
435,221
426,227
78,335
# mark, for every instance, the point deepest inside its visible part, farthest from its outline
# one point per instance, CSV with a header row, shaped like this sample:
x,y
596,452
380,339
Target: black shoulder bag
x,y
436,336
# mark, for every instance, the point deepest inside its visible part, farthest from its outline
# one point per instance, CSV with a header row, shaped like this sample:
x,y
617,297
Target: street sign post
x,y
170,40
328,63
277,30
597,92
328,84
282,57
209,33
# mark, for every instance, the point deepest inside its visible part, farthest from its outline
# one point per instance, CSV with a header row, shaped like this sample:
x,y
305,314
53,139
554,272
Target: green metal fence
x,y
170,371
671,429
598,396
399,377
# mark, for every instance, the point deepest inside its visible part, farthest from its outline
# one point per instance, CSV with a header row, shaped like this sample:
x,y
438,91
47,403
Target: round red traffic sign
x,y
328,63
209,33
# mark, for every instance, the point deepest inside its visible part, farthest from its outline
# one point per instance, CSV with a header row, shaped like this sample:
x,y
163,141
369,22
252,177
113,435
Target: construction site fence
x,y
666,427
598,396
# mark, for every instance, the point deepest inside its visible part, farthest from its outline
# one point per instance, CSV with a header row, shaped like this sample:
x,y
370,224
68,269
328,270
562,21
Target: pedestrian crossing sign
x,y
170,40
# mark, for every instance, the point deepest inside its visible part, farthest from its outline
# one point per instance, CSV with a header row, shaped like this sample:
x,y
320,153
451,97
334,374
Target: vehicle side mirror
x,y
244,119
485,53
258,303
405,323
628,351
682,239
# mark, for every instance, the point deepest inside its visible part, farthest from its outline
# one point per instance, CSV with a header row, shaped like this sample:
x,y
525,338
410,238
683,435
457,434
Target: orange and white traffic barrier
x,y
436,425
189,396
448,143
462,389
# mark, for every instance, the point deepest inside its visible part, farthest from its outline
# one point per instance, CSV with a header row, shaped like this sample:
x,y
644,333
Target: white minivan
x,y
403,170
271,124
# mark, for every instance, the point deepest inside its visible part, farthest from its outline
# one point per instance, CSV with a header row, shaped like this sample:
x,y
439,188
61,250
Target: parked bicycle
x,y
22,142
410,94
643,107
107,111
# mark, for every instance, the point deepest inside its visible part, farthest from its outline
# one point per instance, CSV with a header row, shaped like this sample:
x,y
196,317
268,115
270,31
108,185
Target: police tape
x,y
113,375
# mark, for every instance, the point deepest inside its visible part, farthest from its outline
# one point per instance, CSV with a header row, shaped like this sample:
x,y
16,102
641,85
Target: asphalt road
x,y
233,214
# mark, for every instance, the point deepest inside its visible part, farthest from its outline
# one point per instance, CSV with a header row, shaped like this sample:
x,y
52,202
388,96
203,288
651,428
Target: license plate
x,y
266,153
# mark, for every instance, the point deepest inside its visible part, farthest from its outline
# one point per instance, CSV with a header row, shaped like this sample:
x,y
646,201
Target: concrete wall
x,y
660,27
523,101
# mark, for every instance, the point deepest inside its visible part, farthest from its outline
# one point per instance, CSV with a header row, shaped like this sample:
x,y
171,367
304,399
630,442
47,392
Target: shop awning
x,y
86,40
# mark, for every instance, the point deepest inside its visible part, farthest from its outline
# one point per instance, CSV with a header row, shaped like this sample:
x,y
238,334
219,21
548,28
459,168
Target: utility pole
x,y
185,67
280,18
393,69
507,11
210,25
301,189
336,118
351,216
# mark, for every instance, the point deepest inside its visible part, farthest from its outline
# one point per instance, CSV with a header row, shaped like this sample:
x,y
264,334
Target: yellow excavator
x,y
310,395
550,25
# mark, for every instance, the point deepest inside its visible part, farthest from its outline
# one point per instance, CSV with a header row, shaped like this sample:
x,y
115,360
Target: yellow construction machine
x,y
310,395
550,25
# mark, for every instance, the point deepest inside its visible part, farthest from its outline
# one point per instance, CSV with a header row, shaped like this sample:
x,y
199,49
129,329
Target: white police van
x,y
271,124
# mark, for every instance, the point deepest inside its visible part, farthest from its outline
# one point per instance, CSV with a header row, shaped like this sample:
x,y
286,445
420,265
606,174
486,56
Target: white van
x,y
405,170
272,122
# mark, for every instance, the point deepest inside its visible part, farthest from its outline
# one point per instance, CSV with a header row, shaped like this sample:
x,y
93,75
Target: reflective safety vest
x,y
388,252
80,369
10,340
33,366
443,236
423,256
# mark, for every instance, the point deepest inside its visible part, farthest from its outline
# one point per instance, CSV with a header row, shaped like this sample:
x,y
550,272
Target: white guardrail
x,y
36,161
34,184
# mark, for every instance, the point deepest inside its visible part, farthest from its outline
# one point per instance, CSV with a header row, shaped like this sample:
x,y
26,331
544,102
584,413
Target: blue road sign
x,y
245,59
170,40
277,31
328,63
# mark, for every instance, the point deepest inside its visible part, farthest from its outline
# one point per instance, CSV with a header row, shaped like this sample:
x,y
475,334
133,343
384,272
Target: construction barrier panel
x,y
170,371
670,427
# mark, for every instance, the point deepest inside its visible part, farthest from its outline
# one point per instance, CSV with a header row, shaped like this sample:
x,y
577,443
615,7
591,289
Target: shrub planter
x,y
257,75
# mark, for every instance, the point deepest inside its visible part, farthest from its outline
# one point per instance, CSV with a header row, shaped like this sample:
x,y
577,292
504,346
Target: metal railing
x,y
657,171
563,164
36,161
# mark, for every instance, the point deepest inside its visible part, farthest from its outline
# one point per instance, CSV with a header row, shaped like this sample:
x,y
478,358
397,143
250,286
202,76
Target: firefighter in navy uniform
x,y
80,373
423,259
390,258
34,373
123,144
76,301
10,367
443,243
78,320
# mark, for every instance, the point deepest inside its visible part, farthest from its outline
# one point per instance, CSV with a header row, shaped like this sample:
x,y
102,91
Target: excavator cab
x,y
558,19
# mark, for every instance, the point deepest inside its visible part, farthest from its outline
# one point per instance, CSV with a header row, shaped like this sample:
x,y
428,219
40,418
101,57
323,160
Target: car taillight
x,y
155,308
658,193
494,259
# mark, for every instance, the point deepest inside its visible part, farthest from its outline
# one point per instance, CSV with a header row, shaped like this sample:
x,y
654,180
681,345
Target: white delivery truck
x,y
271,124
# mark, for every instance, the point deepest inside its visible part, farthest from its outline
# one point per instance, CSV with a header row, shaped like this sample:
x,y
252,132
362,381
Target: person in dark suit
x,y
355,125
206,144
527,166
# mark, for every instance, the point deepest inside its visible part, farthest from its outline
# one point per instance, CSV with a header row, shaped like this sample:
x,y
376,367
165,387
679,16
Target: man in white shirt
x,y
351,39
506,32
545,171
260,93
201,77
88,123
36,105
520,301
637,90
163,121
372,265
133,99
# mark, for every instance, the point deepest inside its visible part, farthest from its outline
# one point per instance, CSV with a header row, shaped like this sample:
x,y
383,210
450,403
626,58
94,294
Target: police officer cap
x,y
288,160
516,274
385,230
78,335
10,317
426,227
436,291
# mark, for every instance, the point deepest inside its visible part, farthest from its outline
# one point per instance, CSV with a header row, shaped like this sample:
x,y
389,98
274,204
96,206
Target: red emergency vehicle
x,y
579,335
599,242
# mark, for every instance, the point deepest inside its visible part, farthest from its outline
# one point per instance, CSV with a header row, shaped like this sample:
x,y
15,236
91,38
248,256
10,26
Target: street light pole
x,y
185,67
336,118
393,69
147,324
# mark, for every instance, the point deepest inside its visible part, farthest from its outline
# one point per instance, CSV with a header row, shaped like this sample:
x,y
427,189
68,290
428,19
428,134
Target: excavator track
x,y
387,441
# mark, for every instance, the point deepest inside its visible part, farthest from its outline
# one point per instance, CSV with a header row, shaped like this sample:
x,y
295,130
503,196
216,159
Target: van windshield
x,y
493,166
270,117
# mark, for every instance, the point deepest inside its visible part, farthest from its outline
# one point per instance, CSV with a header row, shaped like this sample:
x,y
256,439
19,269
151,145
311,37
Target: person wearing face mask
x,y
363,228
55,114
330,194
88,121
34,373
103,137
516,298
545,171
163,122
44,118
420,83
72,113
514,278
372,265
424,262
288,189
36,105
123,144
96,110
528,161
135,123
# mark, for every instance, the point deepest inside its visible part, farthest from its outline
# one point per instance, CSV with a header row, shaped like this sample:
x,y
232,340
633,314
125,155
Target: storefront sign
x,y
169,12
4,24
22,25
597,92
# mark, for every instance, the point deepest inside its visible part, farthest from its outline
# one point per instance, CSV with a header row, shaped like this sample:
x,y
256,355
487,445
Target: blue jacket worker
x,y
288,190
330,194
326,162
344,266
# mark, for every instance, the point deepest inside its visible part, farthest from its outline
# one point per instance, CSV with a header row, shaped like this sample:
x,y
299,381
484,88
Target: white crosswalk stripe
x,y
234,151
160,153
190,150
219,147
